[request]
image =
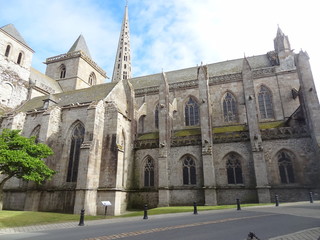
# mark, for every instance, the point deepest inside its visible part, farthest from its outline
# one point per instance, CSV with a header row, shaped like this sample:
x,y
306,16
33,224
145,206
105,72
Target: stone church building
x,y
246,128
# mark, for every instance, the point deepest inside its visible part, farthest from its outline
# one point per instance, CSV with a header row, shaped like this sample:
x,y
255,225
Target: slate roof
x,y
39,77
86,95
12,31
188,74
80,44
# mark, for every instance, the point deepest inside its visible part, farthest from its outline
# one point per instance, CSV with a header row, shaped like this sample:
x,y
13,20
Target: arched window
x,y
92,79
285,167
265,103
35,133
125,75
189,171
76,141
7,51
191,112
63,71
234,170
149,173
19,58
141,124
230,113
156,116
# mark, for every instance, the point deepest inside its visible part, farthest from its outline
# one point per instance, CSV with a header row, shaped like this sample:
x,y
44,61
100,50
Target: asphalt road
x,y
265,222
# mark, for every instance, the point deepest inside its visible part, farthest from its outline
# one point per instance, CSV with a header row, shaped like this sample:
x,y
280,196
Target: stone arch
x,y
265,102
189,169
8,50
229,106
148,172
191,111
233,163
285,161
76,138
20,58
36,133
62,71
6,92
92,79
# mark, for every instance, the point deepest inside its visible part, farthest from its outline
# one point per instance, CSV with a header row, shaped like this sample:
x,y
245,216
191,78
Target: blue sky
x,y
165,34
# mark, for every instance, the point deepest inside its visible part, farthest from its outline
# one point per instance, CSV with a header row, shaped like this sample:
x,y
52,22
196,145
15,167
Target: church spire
x,y
122,64
281,42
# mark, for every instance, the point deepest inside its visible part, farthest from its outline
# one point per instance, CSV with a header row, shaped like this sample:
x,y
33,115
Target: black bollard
x,y
195,211
311,197
238,204
81,222
145,214
277,200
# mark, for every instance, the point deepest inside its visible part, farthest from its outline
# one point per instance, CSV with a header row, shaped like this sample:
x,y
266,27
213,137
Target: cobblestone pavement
x,y
308,234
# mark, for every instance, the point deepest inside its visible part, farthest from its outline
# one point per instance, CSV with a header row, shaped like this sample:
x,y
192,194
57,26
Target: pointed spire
x,y
122,64
281,42
12,31
80,44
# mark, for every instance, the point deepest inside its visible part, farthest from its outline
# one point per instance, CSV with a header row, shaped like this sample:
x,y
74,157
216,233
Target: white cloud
x,y
165,34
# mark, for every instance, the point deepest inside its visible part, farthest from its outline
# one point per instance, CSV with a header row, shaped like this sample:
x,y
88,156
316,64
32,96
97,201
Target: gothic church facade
x,y
245,128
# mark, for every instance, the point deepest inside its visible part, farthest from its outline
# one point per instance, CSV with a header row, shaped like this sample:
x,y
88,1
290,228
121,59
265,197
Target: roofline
x,y
9,35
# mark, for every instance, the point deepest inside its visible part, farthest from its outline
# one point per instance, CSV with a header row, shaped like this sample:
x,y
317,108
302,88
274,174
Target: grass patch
x,y
268,125
180,209
24,218
147,136
10,219
236,128
187,132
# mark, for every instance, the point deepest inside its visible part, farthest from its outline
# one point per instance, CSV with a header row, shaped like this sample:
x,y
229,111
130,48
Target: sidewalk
x,y
309,234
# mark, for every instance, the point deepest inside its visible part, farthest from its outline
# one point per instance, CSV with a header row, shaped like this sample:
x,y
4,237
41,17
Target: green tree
x,y
21,157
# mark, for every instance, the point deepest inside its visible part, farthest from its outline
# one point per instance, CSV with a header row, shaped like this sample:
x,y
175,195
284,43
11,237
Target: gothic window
x,y
149,173
141,124
19,58
230,113
119,54
234,170
7,51
92,79
63,71
265,103
156,116
125,76
285,168
191,112
76,141
35,133
189,171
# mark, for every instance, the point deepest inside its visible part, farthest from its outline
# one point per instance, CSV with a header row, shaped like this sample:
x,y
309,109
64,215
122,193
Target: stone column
x,y
90,158
164,141
206,138
309,98
260,167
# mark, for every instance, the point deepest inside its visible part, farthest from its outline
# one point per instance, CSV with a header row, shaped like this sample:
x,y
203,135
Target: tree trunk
x,y
1,190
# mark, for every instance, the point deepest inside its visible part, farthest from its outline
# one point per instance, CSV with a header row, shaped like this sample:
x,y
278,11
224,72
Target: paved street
x,y
297,221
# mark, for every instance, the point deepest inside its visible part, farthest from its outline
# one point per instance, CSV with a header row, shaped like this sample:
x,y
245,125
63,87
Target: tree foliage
x,y
22,157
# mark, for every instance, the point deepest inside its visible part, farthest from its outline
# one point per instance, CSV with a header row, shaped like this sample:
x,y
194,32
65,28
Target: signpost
x,y
106,204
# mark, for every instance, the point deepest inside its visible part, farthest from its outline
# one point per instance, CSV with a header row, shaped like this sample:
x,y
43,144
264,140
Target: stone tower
x,y
15,63
122,64
75,69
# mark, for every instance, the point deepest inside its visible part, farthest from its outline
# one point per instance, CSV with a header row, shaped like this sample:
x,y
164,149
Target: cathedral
x,y
245,129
